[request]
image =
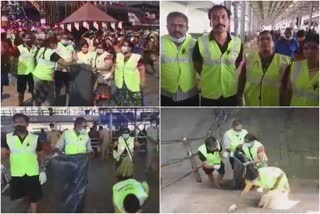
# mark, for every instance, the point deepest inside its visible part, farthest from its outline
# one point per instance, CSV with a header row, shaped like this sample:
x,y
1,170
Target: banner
x,y
76,25
86,25
120,25
69,27
113,25
68,181
95,24
133,19
104,25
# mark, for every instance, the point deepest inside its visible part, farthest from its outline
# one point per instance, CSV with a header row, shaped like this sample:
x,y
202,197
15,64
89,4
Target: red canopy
x,y
88,13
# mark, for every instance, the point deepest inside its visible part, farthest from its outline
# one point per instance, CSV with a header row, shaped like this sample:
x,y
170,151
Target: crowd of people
x,y
279,71
28,162
47,60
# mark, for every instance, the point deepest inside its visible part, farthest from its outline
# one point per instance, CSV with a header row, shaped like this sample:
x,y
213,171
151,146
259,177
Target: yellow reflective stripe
x,y
236,44
265,82
302,93
173,60
162,45
297,72
205,41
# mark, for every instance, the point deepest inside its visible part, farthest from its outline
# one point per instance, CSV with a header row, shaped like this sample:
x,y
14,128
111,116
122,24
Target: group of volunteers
x,y
46,60
27,153
280,72
248,157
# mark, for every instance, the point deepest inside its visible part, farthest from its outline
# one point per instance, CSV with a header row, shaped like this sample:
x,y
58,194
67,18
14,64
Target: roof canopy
x,y
88,13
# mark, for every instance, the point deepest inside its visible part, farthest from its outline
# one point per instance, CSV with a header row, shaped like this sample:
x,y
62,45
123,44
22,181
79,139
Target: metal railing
x,y
220,125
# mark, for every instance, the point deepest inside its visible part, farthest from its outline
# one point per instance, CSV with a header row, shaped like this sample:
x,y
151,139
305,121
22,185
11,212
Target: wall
x,y
198,19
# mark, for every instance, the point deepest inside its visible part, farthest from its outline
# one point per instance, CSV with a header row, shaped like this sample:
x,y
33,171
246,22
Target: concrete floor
x,y
151,94
291,140
99,191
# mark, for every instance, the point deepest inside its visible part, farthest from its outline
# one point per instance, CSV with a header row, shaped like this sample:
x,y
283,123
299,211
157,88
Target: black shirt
x,y
55,57
203,158
196,55
5,145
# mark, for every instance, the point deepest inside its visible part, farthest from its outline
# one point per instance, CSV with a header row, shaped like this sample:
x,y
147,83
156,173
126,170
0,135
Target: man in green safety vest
x,y
129,194
75,141
26,64
211,154
216,57
178,75
233,139
254,151
26,162
272,179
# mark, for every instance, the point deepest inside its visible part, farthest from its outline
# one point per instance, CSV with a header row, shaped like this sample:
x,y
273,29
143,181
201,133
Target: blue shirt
x,y
282,47
137,50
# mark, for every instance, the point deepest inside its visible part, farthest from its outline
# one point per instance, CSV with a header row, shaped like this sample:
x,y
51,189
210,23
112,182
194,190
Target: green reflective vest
x,y
130,186
122,147
236,138
305,91
218,75
263,89
212,159
127,72
23,157
45,67
75,144
268,178
177,68
26,59
252,152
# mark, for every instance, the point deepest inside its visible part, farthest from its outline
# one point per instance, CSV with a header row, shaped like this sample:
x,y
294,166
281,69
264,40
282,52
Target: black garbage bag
x,y
238,171
68,180
81,85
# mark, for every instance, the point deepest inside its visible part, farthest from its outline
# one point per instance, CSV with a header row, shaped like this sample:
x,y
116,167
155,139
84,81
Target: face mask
x,y
125,49
64,41
179,41
85,50
20,128
125,136
83,131
99,50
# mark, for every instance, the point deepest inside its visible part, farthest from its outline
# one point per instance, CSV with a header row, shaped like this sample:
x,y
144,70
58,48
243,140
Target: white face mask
x,y
83,131
125,136
179,41
125,49
99,50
